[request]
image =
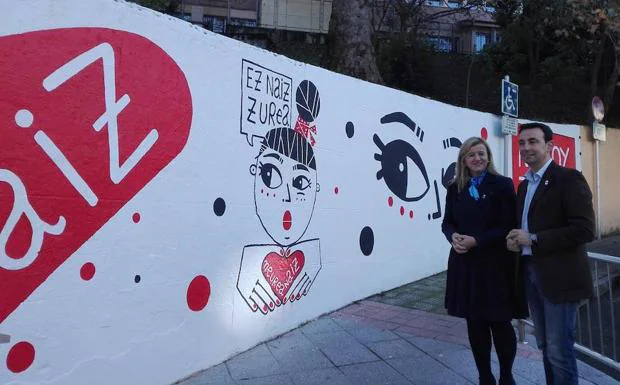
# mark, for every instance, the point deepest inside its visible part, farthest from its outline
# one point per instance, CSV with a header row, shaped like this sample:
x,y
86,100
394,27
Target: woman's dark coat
x,y
483,283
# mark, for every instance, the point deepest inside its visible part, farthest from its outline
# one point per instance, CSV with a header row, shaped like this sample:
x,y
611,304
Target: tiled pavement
x,y
373,343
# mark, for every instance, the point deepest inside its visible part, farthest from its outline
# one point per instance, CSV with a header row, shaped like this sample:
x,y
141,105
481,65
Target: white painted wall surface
x,y
110,329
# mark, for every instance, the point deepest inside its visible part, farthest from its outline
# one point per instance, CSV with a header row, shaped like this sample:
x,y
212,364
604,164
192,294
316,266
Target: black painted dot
x,y
367,240
350,129
136,279
429,217
219,206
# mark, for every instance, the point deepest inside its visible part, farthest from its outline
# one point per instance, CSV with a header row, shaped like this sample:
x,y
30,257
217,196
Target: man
x,y
554,205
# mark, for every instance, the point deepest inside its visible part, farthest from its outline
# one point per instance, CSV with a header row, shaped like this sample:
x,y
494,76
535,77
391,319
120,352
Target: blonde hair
x,y
461,176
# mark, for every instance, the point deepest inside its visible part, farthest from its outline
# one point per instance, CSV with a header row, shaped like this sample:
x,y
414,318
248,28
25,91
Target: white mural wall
x,y
170,197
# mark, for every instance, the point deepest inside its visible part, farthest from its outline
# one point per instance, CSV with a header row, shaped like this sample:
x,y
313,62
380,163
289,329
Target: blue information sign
x,y
510,98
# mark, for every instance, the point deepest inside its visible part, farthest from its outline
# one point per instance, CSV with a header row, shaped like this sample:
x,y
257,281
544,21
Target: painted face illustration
x,y
285,185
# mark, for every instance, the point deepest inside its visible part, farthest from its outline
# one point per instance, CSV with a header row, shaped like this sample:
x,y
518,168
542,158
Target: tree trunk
x,y
350,40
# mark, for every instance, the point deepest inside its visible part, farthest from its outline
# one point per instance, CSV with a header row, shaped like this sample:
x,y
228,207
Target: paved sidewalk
x,y
373,343
402,336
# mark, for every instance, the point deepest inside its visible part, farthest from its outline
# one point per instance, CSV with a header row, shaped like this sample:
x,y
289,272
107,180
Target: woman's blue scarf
x,y
474,183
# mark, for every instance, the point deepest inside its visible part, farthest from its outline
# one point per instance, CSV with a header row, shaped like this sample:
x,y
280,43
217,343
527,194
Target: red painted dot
x,y
20,357
265,307
87,272
336,190
390,201
298,296
198,293
484,133
292,297
410,214
277,302
402,210
136,217
255,306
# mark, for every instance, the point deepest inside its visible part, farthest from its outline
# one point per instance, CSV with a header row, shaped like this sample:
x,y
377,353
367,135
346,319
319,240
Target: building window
x,y
480,40
454,4
440,43
242,22
214,23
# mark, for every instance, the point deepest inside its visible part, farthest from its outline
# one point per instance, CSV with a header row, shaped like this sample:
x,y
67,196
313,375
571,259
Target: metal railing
x,y
598,318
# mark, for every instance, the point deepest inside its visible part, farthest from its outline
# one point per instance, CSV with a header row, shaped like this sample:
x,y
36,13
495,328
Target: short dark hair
x,y
290,143
547,132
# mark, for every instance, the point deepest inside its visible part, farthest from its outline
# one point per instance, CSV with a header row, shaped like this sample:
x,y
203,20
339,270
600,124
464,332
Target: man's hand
x,y
520,237
511,245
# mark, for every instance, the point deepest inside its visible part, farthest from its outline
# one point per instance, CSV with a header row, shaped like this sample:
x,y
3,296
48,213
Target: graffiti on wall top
x,y
285,189
83,132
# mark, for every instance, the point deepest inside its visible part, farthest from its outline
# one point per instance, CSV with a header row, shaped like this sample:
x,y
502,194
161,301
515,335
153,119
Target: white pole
x,y
508,155
507,148
598,190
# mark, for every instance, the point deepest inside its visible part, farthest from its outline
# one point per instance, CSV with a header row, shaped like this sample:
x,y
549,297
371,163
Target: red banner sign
x,y
563,153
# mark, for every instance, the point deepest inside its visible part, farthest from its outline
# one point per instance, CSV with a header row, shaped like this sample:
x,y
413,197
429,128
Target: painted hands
x,y
463,243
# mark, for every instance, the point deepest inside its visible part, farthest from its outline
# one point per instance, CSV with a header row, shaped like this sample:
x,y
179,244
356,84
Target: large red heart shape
x,y
280,271
88,117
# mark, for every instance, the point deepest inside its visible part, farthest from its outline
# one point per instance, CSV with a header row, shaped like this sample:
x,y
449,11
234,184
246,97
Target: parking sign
x,y
510,98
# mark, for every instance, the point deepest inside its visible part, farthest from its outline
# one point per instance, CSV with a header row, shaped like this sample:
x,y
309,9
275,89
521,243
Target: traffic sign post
x,y
509,125
599,134
510,106
510,98
510,111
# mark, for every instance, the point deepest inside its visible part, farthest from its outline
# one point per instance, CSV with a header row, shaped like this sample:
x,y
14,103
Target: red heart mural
x,y
281,270
88,117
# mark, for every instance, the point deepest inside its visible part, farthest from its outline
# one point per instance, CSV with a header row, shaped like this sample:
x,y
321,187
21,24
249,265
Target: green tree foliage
x,y
546,43
402,52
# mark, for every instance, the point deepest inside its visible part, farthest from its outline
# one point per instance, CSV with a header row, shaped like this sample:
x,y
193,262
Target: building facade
x,y
226,16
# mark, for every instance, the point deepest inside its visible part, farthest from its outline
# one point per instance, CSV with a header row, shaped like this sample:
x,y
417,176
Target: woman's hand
x,y
468,242
463,243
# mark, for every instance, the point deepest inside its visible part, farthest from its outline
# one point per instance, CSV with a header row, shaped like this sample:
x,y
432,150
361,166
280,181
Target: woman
x,y
480,211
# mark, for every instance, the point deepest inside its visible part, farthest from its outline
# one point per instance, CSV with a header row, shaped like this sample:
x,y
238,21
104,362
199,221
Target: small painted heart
x,y
280,271
88,117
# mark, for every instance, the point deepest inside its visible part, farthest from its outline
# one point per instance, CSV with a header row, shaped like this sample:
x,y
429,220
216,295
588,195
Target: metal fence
x,y
598,319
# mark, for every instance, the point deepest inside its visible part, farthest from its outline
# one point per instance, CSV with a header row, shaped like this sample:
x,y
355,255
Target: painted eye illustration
x,y
270,175
301,182
402,169
448,174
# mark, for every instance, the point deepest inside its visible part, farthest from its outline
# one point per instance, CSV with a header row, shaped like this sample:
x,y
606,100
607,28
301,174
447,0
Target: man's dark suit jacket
x,y
562,217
